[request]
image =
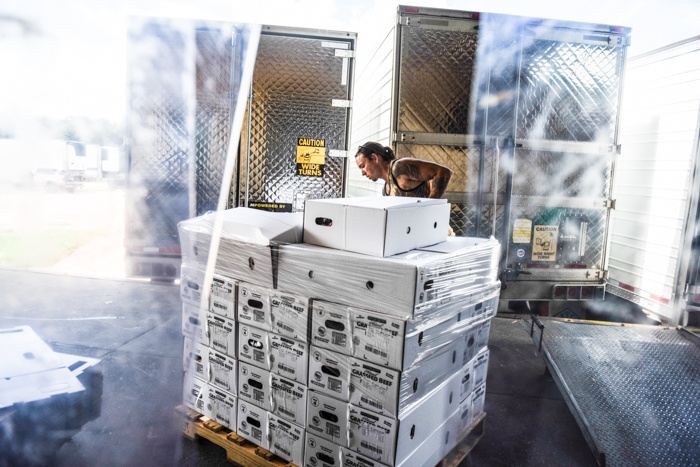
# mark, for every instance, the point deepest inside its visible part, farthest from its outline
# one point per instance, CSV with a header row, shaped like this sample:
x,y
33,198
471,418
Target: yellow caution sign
x,y
544,247
311,157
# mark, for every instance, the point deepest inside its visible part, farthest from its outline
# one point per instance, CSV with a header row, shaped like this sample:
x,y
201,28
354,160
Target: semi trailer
x,y
525,111
186,79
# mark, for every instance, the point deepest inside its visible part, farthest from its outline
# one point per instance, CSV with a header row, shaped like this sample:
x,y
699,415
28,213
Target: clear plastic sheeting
x,y
45,397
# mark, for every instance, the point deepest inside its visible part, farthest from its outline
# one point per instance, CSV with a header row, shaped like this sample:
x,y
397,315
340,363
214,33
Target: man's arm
x,y
410,173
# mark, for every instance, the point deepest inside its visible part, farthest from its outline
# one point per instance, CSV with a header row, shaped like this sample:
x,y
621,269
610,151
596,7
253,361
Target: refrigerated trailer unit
x,y
525,112
655,238
185,80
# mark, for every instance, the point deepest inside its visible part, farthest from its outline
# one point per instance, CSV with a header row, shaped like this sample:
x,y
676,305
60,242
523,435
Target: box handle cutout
x,y
255,384
413,431
326,459
408,230
330,371
192,285
415,385
328,416
252,421
369,285
324,221
251,263
335,325
255,304
420,339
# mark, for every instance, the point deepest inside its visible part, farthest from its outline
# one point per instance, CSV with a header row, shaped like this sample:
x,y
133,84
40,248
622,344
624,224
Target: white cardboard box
x,y
193,323
377,226
221,406
323,453
219,298
387,340
430,283
289,315
195,358
331,326
288,399
254,306
254,386
274,393
274,353
478,399
248,240
327,418
474,339
381,437
481,364
194,392
254,346
220,333
222,371
222,299
289,358
252,423
286,439
376,388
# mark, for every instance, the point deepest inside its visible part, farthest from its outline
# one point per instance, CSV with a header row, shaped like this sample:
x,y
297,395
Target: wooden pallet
x,y
239,450
467,442
242,452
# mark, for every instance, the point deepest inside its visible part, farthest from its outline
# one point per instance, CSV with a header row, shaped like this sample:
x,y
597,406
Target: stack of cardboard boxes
x,y
368,345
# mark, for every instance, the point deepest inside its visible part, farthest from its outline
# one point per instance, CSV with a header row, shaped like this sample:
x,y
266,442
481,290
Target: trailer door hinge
x,y
341,103
610,203
338,153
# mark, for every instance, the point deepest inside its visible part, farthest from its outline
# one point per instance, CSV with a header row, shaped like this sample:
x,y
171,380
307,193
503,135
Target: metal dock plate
x,y
633,389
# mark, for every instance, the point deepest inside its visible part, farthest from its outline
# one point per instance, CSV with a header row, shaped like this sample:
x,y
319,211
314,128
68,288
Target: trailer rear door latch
x,y
609,203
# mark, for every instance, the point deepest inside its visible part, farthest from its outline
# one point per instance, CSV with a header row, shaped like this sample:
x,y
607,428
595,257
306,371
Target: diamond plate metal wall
x,y
294,84
569,91
445,60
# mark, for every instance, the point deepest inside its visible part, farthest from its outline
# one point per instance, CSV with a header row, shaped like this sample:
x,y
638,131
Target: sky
x,y
67,58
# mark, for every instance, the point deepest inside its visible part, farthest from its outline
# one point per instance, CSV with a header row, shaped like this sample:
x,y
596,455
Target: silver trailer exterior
x,y
525,112
184,84
654,249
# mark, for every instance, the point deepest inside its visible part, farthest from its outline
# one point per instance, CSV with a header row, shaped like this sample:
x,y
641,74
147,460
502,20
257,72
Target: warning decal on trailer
x,y
311,157
522,231
544,246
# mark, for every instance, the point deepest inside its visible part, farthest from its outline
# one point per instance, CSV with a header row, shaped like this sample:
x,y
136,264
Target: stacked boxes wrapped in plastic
x,y
366,345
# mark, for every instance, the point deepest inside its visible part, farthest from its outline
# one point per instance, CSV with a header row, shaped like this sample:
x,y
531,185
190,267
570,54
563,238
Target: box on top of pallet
x,y
247,241
425,283
377,226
